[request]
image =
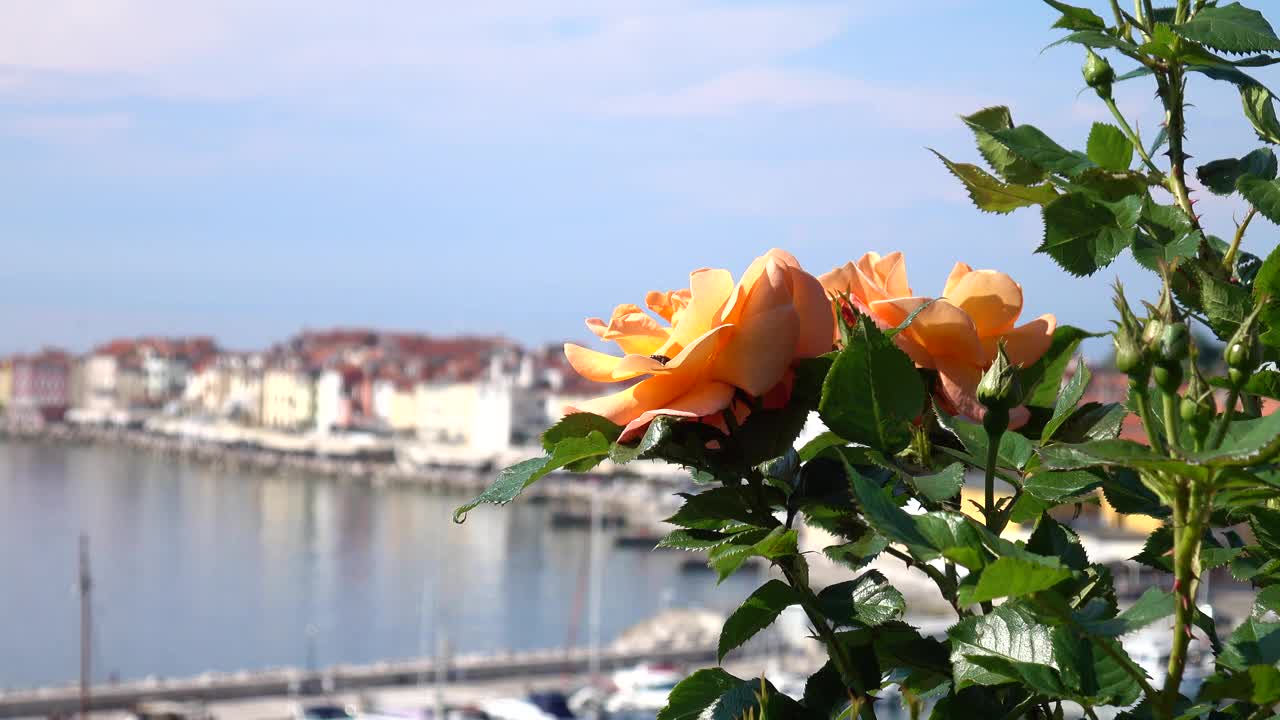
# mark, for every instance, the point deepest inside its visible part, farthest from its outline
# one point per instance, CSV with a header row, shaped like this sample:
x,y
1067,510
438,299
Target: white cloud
x,y
563,51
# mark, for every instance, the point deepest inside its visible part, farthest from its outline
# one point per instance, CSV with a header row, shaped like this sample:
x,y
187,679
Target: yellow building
x,y
288,399
404,408
6,382
445,412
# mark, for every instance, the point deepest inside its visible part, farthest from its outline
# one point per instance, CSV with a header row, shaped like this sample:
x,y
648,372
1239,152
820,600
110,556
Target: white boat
x,y
642,688
514,709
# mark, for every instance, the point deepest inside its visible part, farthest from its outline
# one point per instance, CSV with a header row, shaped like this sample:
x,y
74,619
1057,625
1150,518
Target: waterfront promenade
x,y
269,693
380,461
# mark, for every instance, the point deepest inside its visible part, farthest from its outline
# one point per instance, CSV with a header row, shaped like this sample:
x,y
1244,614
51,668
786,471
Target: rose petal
x,y
706,398
817,315
758,353
667,304
708,292
838,281
1027,343
683,372
891,271
941,329
600,367
991,298
957,272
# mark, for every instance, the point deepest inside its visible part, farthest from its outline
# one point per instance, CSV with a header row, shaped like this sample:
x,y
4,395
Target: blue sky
x,y
246,169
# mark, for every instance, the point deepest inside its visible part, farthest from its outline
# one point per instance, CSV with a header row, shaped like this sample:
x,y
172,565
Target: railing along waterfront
x,y
212,687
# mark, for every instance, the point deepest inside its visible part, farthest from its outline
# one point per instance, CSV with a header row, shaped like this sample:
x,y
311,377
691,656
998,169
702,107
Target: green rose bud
x,y
1168,376
1238,356
1241,354
1198,407
1130,359
999,387
1098,73
1175,343
1152,333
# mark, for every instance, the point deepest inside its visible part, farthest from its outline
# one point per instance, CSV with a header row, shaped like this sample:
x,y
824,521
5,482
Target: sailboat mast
x,y
595,565
86,625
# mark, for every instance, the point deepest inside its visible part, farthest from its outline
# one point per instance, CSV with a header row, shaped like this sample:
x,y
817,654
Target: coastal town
x,y
350,390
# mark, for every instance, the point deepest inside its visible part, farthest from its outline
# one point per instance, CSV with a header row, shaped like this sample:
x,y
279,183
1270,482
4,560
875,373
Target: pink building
x,y
41,387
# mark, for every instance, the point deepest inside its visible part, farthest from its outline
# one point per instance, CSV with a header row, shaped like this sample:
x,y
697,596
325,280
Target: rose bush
x,y
724,382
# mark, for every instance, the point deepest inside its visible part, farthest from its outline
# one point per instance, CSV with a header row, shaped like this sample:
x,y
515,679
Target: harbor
x,y
212,567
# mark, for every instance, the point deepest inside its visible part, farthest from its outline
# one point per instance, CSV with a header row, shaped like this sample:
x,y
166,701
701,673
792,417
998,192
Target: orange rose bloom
x,y
957,334
720,339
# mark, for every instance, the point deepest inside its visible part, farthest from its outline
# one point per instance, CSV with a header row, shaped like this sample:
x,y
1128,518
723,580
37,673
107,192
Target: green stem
x,y
1171,419
1146,13
1229,260
1250,404
1190,507
989,495
1133,137
1182,14
838,652
995,423
1138,391
1171,88
1020,710
1224,420
946,584
1115,10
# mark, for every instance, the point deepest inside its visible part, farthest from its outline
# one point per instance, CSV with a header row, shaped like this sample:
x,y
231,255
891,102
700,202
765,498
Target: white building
x,y
333,405
504,408
101,383
163,375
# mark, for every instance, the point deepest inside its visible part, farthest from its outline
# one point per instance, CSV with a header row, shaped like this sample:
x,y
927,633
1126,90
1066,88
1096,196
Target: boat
x,y
642,689
569,519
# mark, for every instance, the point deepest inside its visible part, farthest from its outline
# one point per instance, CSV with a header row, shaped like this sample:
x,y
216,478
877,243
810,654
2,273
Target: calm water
x,y
206,569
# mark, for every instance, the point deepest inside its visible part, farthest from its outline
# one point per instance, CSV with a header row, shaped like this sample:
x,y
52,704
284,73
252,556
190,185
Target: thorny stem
x,y
1229,260
1190,507
1133,137
1172,84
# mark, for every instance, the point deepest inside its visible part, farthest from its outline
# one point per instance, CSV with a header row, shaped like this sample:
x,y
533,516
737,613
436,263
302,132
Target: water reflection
x,y
199,568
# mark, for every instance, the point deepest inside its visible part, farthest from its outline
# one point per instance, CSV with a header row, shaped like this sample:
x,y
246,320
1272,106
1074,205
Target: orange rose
x,y
956,334
721,338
